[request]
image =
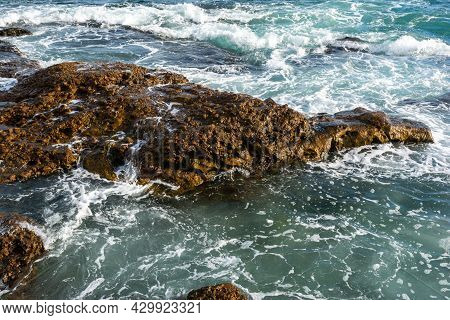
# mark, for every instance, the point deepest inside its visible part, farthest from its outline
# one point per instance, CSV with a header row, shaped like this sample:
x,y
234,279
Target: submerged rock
x,y
19,248
6,47
128,122
14,32
347,44
13,64
225,291
353,39
441,100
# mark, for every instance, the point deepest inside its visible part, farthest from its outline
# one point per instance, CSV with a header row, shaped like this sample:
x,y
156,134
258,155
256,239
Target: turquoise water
x,y
370,223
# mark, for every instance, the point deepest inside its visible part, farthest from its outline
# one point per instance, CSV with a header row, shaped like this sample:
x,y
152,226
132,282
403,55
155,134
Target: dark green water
x,y
371,223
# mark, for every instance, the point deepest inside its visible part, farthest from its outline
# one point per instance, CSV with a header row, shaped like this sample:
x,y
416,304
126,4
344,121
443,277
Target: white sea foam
x,y
110,241
445,244
405,45
181,21
224,35
132,15
90,288
410,46
82,197
7,83
165,184
39,231
226,28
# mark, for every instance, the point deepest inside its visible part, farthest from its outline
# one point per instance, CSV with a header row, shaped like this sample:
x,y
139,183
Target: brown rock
x,y
98,162
70,107
19,248
359,127
173,132
225,291
14,32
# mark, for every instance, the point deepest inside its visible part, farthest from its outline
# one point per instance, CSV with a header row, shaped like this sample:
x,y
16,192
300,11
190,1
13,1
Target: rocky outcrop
x,y
116,117
13,64
225,291
14,32
19,248
66,108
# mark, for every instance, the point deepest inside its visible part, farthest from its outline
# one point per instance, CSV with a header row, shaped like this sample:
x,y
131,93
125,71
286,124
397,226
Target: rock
x,y
436,101
347,44
6,47
19,248
14,32
359,127
343,48
352,39
226,291
67,108
99,163
13,64
174,133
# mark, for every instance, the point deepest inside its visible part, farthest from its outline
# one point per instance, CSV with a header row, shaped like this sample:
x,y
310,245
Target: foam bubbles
x,y
445,244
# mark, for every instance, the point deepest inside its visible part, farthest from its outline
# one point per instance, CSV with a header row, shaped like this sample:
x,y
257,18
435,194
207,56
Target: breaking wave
x,y
234,29
408,45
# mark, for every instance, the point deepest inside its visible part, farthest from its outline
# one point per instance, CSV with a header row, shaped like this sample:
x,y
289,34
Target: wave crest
x,y
409,46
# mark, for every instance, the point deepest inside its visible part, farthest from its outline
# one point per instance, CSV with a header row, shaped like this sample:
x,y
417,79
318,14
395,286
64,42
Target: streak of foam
x,y
82,197
90,288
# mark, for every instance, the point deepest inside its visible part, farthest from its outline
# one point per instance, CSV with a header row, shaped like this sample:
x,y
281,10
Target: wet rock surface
x,y
123,121
6,47
19,248
14,32
13,64
347,44
226,291
437,101
353,39
67,108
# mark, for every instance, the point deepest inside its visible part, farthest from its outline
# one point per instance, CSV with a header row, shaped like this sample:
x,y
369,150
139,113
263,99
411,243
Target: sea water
x,y
368,223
